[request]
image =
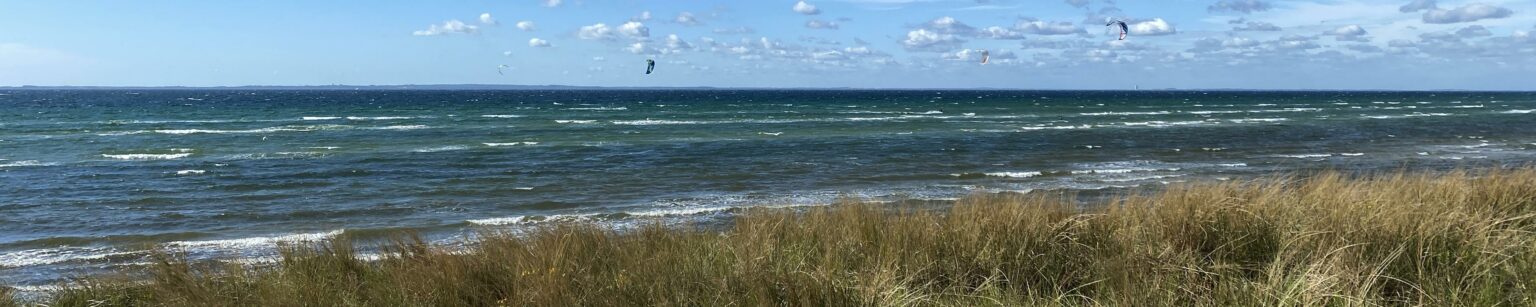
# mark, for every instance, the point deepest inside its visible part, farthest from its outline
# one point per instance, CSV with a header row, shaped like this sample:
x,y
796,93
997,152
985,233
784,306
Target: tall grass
x,y
1462,239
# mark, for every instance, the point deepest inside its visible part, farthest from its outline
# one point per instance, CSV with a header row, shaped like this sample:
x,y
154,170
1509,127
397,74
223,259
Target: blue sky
x,y
1041,44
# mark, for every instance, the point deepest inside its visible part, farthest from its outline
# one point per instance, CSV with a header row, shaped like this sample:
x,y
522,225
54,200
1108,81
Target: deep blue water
x,y
89,179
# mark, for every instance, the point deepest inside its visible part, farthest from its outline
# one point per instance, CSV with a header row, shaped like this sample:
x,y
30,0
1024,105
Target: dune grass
x,y
1445,239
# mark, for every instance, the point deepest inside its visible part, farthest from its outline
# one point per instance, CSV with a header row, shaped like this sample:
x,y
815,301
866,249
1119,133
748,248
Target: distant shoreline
x,y
495,87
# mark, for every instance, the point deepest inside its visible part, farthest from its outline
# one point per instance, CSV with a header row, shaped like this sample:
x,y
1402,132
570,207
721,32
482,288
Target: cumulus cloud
x,y
448,27
644,16
486,19
1352,33
597,31
1239,6
1466,13
551,3
948,25
821,24
974,55
686,18
675,43
1039,27
535,42
525,25
635,29
1257,26
995,32
1473,31
1418,5
736,30
927,40
805,8
1154,27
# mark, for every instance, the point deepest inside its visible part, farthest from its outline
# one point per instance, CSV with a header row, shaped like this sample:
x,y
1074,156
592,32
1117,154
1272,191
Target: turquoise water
x,y
90,179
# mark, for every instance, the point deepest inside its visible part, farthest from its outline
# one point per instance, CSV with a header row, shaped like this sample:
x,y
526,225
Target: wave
x,y
1257,120
148,156
501,116
1126,113
1518,111
441,148
47,256
1215,112
599,109
1406,116
649,122
511,144
26,163
1306,156
575,121
319,118
256,242
191,172
1014,174
1056,127
400,127
381,117
500,221
1162,124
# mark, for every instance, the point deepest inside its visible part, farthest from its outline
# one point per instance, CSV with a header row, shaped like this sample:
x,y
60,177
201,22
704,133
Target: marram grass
x,y
1444,239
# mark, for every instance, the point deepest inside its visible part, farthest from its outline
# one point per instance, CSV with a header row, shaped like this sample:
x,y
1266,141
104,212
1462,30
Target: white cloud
x,y
949,25
535,42
1353,33
1257,26
448,27
551,3
526,25
686,18
676,43
596,31
644,16
736,30
926,40
506,53
1418,5
1239,42
805,8
1239,6
996,32
1039,27
1154,27
1466,13
635,29
821,24
486,19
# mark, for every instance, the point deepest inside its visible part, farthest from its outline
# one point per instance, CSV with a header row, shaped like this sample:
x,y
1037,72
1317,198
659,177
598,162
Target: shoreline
x,y
1340,238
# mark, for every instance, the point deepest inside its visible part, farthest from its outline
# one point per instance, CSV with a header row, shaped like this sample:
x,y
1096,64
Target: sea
x,y
92,180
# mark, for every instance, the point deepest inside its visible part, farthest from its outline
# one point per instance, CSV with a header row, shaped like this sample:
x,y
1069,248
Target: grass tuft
x,y
1455,239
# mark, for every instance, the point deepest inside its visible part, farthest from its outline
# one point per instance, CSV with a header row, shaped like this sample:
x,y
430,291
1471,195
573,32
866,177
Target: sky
x,y
1034,44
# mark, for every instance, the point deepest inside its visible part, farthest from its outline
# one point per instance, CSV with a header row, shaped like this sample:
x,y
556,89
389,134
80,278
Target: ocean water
x,y
90,179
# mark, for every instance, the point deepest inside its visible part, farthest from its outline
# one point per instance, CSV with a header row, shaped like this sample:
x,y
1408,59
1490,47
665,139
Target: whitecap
x,y
501,116
147,156
379,118
771,133
498,221
400,127
442,148
1307,156
191,172
1258,120
256,242
1518,111
1014,174
320,118
599,109
574,121
1352,154
26,163
649,122
511,144
1126,113
1214,112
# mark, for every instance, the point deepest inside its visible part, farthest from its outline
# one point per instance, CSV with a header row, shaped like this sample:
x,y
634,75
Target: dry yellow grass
x,y
1448,239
